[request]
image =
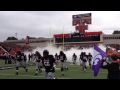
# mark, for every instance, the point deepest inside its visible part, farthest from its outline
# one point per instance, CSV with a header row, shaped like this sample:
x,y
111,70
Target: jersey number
x,y
47,63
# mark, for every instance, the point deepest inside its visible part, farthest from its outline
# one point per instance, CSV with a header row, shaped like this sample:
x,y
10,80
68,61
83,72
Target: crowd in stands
x,y
8,46
8,51
12,46
116,46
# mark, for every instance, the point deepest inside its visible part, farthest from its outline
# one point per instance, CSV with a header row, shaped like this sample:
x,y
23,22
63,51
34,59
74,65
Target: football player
x,y
20,61
84,62
89,57
74,58
57,57
63,59
38,59
48,62
81,59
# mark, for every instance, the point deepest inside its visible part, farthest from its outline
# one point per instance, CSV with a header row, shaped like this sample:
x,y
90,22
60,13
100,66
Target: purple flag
x,y
98,56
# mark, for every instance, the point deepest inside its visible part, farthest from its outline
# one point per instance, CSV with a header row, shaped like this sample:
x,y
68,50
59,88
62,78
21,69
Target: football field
x,y
74,72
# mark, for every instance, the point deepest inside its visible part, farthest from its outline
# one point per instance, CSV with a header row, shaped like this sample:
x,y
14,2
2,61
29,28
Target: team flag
x,y
98,56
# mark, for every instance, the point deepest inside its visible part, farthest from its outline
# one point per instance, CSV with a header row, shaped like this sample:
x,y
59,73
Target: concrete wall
x,y
111,39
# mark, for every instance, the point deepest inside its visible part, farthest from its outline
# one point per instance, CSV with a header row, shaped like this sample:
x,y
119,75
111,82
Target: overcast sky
x,y
38,23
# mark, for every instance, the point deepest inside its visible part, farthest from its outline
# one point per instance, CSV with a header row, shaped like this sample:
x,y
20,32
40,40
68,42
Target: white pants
x,y
63,64
38,64
49,75
21,64
74,61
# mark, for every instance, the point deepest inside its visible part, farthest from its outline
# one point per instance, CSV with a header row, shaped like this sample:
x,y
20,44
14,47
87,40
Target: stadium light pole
x,y
63,38
50,36
16,34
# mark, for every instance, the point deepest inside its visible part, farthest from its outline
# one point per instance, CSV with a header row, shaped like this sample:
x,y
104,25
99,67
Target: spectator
x,y
113,68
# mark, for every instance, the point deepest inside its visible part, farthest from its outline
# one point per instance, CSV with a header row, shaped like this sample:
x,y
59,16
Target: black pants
x,y
6,61
9,61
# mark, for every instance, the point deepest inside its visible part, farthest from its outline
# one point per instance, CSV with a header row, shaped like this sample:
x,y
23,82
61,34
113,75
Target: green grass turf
x,y
2,63
74,72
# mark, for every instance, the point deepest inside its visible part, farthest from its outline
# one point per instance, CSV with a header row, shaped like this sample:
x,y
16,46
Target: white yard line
x,y
64,78
19,75
26,75
83,71
79,70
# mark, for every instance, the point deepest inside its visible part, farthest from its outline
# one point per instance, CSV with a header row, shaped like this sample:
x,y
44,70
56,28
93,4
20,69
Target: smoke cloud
x,y
53,50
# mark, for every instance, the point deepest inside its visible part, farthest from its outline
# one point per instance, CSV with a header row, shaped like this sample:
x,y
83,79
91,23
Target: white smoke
x,y
53,50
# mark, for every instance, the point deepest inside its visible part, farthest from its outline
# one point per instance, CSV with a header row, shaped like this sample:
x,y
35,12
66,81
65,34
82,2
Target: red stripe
x,y
60,35
86,33
93,33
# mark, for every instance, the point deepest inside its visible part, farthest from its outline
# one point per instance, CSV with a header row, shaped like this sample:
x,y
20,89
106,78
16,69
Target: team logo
x,y
97,58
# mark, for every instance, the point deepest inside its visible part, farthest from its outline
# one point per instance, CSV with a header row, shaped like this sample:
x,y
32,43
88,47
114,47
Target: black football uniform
x,y
81,58
48,63
38,63
84,62
63,59
74,58
56,57
89,57
19,57
20,62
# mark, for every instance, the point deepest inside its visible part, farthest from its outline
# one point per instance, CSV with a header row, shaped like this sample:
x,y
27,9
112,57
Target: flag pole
x,y
63,38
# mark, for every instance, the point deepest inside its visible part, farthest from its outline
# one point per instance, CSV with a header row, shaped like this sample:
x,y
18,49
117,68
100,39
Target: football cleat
x,y
35,73
26,70
16,73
